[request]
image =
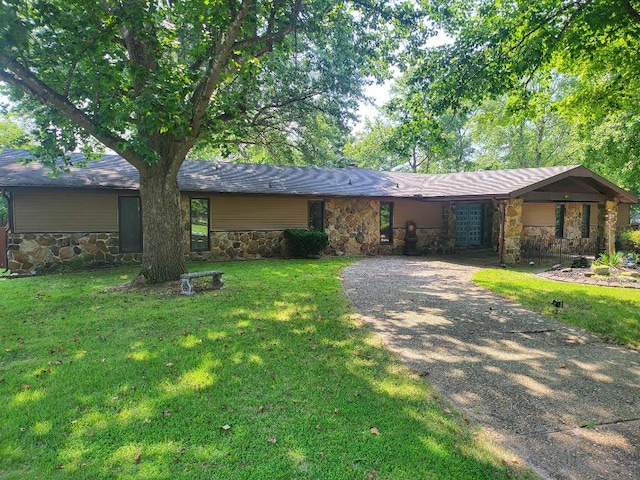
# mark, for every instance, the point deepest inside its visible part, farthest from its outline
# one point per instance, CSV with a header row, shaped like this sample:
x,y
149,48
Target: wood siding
x,y
544,214
62,211
539,214
425,214
236,213
624,215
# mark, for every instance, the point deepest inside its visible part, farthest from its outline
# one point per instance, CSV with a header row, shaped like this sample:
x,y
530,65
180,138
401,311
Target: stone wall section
x,y
610,226
512,230
50,252
353,226
242,245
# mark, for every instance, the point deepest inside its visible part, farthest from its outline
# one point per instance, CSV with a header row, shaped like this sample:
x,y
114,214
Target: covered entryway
x,y
469,218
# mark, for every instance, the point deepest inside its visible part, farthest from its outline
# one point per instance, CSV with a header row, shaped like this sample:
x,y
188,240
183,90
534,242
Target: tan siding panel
x,y
61,211
230,213
624,215
539,214
425,214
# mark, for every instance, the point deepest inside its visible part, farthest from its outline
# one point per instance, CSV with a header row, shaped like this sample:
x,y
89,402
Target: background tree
x,y
512,132
508,46
13,133
150,80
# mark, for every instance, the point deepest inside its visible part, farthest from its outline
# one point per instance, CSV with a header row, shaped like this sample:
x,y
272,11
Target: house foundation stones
x,y
39,253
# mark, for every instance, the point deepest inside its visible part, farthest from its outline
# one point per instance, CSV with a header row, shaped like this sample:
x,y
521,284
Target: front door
x,y
469,224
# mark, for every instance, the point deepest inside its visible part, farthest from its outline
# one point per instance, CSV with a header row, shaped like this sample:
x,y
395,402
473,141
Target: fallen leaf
x,y
272,440
261,409
374,431
373,474
563,365
166,413
318,427
136,459
322,455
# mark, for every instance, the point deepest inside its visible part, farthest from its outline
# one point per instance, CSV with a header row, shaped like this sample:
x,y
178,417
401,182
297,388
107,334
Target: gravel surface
x,y
562,400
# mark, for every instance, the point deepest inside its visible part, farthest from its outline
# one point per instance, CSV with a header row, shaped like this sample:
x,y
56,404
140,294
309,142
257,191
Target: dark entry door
x,y
469,224
130,224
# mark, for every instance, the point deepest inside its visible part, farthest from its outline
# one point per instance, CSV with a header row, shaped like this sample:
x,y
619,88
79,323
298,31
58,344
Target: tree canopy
x,y
512,47
151,80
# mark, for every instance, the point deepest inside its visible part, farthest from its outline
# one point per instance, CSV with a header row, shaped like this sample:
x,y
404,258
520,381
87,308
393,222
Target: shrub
x,y
614,259
303,243
631,240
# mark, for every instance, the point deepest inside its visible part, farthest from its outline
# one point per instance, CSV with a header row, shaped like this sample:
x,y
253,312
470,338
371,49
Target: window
x,y
130,224
199,224
586,221
316,215
386,222
560,221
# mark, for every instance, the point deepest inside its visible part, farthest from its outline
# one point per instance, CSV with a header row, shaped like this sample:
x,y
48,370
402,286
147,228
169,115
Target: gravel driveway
x,y
562,400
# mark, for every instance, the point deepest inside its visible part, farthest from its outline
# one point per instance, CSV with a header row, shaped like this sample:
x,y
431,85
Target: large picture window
x,y
130,224
386,222
560,221
316,215
199,224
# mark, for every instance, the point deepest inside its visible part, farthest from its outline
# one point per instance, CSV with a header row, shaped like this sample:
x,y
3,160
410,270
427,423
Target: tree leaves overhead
x,y
135,74
511,46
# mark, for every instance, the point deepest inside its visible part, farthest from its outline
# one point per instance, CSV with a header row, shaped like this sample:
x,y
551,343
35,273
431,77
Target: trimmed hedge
x,y
303,243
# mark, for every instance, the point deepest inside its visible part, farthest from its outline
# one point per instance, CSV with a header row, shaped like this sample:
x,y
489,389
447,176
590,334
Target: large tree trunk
x,y
162,229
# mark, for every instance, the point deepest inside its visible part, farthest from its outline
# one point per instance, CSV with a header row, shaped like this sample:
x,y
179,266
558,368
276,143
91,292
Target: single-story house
x,y
232,210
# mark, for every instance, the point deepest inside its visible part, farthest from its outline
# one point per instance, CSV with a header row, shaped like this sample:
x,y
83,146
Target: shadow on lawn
x,y
266,379
560,397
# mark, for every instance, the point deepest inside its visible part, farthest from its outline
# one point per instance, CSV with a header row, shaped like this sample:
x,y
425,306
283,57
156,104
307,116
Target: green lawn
x,y
270,378
611,313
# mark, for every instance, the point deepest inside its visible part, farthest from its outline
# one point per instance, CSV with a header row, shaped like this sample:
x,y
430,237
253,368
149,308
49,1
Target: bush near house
x,y
303,243
630,240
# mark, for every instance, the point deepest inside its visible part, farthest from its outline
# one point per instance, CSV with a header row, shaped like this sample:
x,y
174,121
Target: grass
x,y
271,378
611,313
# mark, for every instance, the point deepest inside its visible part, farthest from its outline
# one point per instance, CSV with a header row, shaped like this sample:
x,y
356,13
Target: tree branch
x,y
17,75
221,55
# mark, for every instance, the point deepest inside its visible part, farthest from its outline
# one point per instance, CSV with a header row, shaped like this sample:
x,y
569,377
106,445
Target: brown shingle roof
x,y
111,171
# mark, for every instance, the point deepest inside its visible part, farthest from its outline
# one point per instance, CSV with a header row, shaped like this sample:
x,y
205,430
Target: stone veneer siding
x,y
241,245
512,230
610,226
353,226
47,252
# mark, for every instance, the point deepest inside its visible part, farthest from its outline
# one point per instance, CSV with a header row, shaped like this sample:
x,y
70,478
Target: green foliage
x,y
510,47
613,259
302,243
13,135
631,240
268,378
611,313
4,211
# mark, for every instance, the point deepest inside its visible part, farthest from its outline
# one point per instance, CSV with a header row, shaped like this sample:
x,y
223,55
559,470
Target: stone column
x,y
449,226
610,226
512,230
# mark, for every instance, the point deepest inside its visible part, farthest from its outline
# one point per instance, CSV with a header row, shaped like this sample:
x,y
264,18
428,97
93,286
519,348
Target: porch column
x,y
449,226
512,230
610,226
